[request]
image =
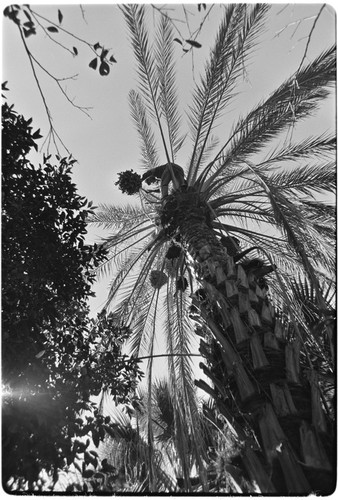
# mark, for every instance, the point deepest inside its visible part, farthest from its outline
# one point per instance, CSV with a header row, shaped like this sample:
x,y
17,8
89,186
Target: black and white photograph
x,y
168,249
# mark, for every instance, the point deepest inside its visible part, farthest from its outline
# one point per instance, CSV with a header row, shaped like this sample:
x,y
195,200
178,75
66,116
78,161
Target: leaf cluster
x,y
53,355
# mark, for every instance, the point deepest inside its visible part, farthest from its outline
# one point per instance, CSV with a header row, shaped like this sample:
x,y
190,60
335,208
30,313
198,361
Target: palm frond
x,y
148,77
167,84
320,146
296,98
126,267
147,137
306,179
112,216
234,41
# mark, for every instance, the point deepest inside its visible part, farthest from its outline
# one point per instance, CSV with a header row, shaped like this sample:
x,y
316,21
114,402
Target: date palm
x,y
217,256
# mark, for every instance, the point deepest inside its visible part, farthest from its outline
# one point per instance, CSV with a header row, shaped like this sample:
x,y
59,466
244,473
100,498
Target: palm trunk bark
x,y
256,373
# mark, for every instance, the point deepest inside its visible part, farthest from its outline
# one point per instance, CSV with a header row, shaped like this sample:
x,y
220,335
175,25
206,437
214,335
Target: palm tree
x,y
218,255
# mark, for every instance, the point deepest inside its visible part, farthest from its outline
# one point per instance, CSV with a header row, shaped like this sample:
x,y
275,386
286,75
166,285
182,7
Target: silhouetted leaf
x,y
4,85
104,69
178,41
97,46
28,32
104,54
193,43
112,59
60,16
93,63
52,29
37,134
28,15
75,51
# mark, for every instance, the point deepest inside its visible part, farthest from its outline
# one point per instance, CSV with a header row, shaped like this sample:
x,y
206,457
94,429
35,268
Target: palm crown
x,y
258,198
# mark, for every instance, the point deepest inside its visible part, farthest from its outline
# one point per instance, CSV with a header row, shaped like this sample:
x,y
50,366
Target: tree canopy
x,y
54,356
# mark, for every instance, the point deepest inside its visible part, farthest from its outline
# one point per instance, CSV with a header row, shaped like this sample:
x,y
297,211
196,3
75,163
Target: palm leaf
x,y
280,110
148,77
306,179
111,216
148,146
234,41
311,146
167,86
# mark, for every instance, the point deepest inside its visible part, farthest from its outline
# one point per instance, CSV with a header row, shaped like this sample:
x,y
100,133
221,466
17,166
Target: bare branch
x,y
52,134
310,34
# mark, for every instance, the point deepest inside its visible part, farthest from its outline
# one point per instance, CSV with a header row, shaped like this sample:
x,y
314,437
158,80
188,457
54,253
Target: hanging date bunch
x,y
158,279
129,182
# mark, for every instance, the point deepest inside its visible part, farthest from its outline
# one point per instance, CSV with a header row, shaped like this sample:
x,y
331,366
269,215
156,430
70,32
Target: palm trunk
x,y
256,373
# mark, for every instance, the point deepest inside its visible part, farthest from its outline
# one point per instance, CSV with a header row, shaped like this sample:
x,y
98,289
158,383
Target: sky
x,y
107,143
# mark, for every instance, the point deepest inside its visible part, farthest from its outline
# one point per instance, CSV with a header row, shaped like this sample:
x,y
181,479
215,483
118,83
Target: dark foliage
x,y
129,182
54,357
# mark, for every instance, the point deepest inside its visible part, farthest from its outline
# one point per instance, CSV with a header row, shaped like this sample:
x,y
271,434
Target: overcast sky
x,y
107,143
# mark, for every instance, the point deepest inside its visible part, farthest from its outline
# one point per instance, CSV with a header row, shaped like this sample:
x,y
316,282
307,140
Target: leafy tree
x,y
224,247
53,358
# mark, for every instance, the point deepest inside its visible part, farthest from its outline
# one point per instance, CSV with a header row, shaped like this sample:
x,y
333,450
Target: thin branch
x,y
310,34
48,34
83,13
57,81
52,132
169,355
60,28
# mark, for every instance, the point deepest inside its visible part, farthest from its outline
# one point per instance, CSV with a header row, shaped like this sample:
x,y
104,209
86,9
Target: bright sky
x,y
107,143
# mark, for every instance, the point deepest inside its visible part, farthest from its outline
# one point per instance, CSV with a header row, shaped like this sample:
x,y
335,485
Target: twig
x,y
168,356
52,132
310,34
90,45
48,35
83,14
297,23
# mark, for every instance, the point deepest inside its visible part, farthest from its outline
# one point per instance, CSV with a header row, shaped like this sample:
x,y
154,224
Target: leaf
x,y
60,16
112,59
104,69
37,134
27,14
104,54
193,43
97,46
40,354
75,51
52,29
178,41
93,63
29,32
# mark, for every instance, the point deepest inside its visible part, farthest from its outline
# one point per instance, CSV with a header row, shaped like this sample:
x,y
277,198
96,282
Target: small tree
x,y
53,355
